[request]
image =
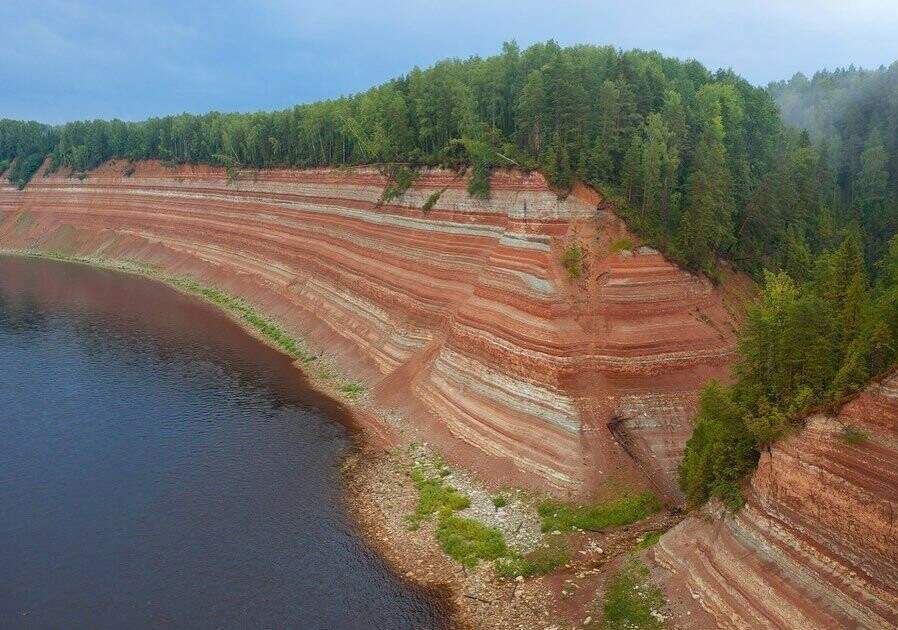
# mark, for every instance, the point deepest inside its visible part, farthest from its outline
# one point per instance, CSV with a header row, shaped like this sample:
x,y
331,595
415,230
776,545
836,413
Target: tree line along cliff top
x,y
700,162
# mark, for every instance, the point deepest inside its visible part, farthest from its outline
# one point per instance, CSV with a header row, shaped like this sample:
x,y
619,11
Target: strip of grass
x,y
632,602
553,553
267,329
621,511
270,331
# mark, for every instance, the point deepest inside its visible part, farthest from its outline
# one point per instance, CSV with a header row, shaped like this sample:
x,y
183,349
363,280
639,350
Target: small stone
x,y
587,621
520,578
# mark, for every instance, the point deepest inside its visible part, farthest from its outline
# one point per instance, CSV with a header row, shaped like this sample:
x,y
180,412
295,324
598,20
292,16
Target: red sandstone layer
x,y
461,318
816,545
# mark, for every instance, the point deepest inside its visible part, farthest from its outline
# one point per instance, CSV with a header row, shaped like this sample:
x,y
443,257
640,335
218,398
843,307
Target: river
x,y
161,467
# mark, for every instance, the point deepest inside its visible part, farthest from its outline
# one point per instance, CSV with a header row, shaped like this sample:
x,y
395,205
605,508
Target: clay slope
x,y
816,545
459,319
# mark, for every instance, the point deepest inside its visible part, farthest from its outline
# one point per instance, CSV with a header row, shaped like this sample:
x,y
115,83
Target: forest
x,y
795,184
826,322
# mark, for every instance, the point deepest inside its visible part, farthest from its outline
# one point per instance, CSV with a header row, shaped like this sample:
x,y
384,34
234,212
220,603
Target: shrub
x,y
572,260
721,450
401,178
500,501
479,186
23,169
853,435
621,511
431,200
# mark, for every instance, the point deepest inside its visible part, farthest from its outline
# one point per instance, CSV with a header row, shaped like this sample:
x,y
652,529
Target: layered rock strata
x,y
460,318
816,545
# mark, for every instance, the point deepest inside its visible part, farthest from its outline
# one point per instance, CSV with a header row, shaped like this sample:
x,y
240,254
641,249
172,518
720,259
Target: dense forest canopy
x,y
700,163
852,117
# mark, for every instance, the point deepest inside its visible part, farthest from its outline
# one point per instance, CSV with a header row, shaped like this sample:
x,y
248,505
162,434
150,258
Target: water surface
x,y
160,467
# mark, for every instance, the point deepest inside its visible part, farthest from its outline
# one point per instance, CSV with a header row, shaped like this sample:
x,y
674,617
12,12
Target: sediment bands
x,y
459,319
816,545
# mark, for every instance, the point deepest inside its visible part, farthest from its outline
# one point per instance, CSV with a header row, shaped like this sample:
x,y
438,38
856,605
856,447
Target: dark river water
x,y
161,468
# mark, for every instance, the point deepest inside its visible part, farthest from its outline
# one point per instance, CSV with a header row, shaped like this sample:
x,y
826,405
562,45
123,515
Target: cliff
x,y
459,319
816,545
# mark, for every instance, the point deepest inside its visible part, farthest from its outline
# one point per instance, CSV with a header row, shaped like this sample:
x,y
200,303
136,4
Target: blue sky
x,y
71,59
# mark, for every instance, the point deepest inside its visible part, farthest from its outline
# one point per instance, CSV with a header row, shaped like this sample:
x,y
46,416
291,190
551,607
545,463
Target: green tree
x,y
707,220
660,164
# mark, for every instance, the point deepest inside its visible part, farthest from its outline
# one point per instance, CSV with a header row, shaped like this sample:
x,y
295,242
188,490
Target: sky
x,y
63,60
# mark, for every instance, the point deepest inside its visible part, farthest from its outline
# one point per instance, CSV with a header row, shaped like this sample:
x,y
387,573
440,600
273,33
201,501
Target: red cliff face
x,y
459,319
816,545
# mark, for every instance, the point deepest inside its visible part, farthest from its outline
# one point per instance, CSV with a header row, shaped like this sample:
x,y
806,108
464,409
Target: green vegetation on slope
x,y
463,539
811,340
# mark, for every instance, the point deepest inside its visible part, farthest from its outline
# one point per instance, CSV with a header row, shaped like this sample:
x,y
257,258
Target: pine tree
x,y
659,167
707,220
631,175
871,196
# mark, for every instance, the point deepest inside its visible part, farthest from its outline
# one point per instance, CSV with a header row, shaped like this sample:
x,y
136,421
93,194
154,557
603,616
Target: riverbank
x,y
381,495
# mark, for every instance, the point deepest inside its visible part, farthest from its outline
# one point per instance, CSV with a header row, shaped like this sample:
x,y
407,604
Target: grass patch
x,y
621,511
553,553
649,540
632,602
853,435
500,501
465,540
620,245
572,260
435,496
468,541
352,390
